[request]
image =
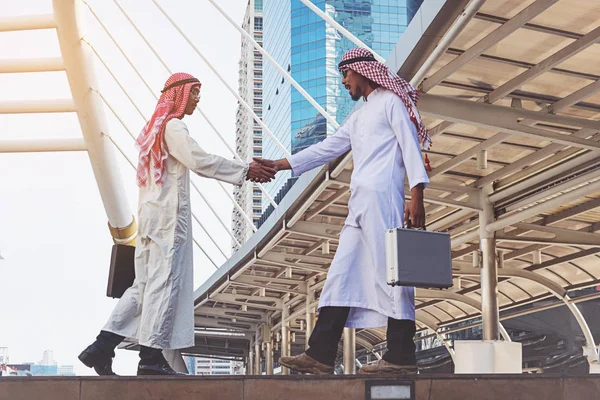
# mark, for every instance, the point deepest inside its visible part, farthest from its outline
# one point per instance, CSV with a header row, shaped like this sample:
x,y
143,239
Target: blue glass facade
x,y
301,41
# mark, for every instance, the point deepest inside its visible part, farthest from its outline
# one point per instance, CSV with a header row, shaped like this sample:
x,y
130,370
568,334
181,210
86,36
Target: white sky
x,y
53,227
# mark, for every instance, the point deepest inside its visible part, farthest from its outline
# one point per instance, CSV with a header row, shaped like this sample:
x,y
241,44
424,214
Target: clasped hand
x,y
261,170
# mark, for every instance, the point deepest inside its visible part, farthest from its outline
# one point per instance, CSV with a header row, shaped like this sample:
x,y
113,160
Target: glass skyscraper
x,y
310,49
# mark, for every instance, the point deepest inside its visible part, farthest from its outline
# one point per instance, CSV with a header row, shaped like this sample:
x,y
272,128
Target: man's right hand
x,y
260,172
279,165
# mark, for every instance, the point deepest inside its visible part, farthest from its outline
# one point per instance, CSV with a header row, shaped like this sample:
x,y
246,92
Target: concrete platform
x,y
438,387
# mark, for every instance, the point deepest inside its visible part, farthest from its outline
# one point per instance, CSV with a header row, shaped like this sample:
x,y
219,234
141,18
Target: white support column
x,y
269,357
489,355
78,62
250,361
349,351
267,337
310,315
257,365
285,335
489,273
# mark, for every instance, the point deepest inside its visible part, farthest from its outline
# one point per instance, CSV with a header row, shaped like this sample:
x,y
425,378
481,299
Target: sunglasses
x,y
345,73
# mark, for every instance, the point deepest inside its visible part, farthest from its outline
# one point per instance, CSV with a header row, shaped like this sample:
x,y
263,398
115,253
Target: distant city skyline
x,y
47,366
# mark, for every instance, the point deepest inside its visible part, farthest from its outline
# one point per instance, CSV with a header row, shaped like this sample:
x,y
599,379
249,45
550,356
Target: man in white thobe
x,y
158,309
384,135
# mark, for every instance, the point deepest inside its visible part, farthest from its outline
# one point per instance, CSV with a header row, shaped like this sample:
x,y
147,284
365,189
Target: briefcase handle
x,y
408,225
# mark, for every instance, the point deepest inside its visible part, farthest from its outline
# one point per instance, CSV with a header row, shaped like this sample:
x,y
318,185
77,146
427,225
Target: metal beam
x,y
309,201
241,297
470,153
298,266
227,313
27,23
555,59
480,47
505,119
49,64
341,29
316,229
575,97
533,27
243,301
560,236
300,284
434,294
471,204
507,272
547,205
531,159
553,166
251,283
515,63
537,194
37,106
41,145
461,22
286,257
320,206
448,187
218,323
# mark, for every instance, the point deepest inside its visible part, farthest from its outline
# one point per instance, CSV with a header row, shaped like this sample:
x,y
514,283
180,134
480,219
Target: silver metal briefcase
x,y
418,258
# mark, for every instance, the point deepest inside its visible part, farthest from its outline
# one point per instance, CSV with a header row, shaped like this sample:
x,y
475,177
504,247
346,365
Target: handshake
x,y
261,170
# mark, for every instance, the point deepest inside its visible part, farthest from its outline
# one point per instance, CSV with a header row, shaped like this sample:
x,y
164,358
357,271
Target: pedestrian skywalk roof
x,y
512,105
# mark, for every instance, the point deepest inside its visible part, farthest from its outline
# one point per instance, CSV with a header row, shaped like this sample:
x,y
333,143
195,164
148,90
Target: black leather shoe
x,y
94,358
162,368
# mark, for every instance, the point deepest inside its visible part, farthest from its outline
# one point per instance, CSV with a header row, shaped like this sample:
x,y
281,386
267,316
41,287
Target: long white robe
x,y
385,149
158,309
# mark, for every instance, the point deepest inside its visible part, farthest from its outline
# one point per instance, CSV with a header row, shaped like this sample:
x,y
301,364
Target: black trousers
x,y
323,342
108,341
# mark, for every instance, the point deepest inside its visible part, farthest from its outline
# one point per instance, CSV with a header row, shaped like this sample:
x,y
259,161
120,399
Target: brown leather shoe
x,y
383,367
307,364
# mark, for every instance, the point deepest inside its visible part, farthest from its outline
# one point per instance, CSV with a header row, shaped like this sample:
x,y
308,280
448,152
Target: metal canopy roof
x,y
513,107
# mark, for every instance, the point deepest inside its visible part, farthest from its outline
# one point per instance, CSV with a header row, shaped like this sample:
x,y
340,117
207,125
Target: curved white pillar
x,y
78,63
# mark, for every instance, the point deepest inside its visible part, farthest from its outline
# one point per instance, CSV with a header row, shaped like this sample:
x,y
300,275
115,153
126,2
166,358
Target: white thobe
x,y
385,149
158,309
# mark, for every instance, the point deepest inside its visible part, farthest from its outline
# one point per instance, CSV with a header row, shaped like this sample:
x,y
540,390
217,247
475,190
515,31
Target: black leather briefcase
x,y
122,270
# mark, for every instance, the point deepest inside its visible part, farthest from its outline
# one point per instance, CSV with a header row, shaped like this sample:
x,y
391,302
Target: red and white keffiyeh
x,y
150,142
362,61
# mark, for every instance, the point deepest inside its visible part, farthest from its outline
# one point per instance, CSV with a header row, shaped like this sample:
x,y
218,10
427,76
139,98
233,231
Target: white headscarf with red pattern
x,y
172,104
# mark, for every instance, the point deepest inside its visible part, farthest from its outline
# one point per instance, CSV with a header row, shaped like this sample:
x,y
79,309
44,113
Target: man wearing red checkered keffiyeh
x,y
385,135
171,104
158,309
363,62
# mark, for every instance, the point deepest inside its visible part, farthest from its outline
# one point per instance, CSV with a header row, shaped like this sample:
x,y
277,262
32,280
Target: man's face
x,y
355,83
193,100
